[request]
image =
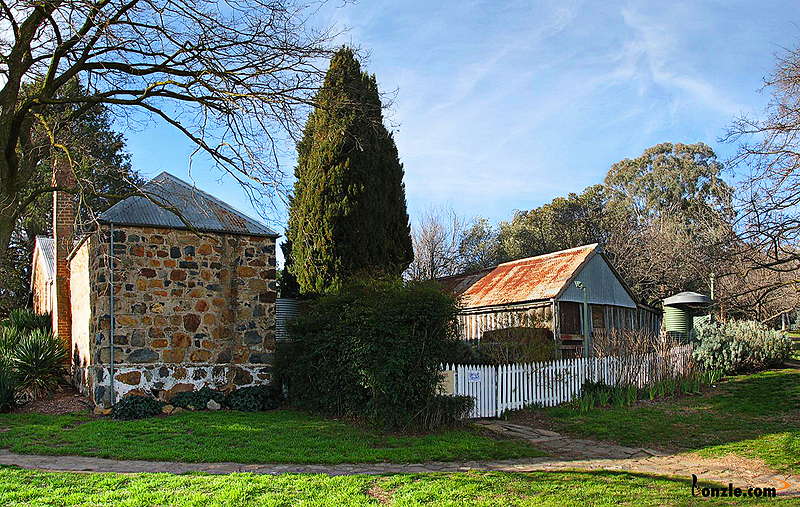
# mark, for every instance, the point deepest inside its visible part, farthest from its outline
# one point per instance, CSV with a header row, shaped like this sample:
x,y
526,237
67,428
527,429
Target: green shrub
x,y
445,411
518,345
254,398
373,351
136,407
26,320
465,353
39,361
197,400
739,346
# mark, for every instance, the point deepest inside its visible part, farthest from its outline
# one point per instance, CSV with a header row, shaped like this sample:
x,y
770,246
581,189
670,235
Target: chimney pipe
x,y
63,224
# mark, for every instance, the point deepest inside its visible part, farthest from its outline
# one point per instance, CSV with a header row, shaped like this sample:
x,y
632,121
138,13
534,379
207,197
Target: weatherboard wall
x,y
602,284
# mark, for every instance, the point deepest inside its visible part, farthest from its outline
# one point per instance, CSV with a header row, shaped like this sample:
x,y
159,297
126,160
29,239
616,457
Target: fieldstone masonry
x,y
191,309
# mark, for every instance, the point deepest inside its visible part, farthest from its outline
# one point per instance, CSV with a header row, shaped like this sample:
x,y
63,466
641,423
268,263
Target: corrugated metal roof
x,y
47,252
687,298
531,279
195,209
458,284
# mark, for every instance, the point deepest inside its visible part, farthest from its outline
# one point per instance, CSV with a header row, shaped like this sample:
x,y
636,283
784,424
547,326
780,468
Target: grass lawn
x,y
748,415
22,487
279,436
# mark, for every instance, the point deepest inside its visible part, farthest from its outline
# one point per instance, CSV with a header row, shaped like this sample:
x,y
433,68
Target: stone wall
x,y
165,380
183,302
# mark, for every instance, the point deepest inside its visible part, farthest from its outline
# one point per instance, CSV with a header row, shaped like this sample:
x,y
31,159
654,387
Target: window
x,y
598,317
569,316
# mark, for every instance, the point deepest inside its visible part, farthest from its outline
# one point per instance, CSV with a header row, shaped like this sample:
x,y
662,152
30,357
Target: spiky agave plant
x,y
39,361
9,338
26,320
8,385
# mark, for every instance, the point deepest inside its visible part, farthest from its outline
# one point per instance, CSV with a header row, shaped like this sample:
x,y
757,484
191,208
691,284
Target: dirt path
x,y
594,455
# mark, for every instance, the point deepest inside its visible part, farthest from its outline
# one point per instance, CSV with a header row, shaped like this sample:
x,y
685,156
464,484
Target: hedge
x,y
373,351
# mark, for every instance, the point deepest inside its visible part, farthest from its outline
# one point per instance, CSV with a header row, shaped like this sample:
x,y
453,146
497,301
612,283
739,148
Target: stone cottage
x,y
168,293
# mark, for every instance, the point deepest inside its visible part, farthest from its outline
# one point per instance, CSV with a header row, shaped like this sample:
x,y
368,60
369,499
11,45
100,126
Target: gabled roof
x,y
195,210
531,279
47,255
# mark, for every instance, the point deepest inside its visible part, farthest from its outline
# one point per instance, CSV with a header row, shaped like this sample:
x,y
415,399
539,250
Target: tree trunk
x,y
7,221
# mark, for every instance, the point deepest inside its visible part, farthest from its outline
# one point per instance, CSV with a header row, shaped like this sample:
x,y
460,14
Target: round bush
x,y
197,400
254,398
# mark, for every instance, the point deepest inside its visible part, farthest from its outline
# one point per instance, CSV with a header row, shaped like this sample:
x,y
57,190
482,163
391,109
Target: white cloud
x,y
653,59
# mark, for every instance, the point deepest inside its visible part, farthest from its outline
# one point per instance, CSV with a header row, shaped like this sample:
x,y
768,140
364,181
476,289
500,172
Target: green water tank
x,y
680,310
677,320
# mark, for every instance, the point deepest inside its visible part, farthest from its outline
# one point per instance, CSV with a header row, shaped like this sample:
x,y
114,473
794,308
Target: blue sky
x,y
500,106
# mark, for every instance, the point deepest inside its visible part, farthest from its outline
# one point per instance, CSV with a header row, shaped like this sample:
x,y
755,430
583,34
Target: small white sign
x,y
474,376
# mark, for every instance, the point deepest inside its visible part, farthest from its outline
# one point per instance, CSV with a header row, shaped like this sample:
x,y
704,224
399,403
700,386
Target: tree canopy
x,y
664,218
232,78
768,156
101,164
565,222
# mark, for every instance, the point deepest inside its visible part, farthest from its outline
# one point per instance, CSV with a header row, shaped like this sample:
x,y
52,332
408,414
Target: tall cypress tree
x,y
348,213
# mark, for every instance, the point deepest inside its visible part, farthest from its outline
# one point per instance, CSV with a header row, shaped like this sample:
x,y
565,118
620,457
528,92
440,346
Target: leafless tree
x,y
769,225
436,236
232,76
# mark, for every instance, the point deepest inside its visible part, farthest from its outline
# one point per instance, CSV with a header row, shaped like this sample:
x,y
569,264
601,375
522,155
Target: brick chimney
x,y
63,224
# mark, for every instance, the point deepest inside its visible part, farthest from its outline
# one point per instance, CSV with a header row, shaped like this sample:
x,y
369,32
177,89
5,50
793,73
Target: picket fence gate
x,y
497,388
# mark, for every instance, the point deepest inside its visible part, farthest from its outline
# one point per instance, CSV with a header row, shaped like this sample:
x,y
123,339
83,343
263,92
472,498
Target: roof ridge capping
x,y
591,246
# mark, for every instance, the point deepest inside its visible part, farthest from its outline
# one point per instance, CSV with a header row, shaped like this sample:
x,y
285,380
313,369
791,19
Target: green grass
x,y
23,487
749,415
280,436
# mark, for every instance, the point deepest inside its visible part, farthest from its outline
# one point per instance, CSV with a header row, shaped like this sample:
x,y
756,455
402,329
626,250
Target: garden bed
x,y
59,403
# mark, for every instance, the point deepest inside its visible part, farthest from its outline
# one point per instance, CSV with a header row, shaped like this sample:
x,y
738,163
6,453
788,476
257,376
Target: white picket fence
x,y
514,386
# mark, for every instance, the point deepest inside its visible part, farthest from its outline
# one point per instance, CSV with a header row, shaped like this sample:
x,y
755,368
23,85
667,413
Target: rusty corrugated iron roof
x,y
197,209
530,279
458,284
